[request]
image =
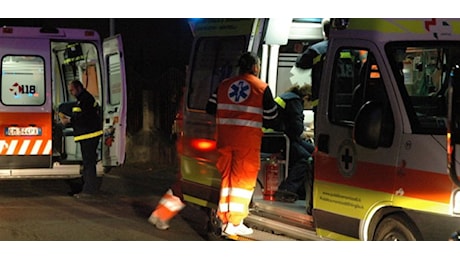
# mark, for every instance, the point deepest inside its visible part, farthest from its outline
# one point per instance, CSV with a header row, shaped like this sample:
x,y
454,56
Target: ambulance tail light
x,y
89,33
456,202
8,30
203,145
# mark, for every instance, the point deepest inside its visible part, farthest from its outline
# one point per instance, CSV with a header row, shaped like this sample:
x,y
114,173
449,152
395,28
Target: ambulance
x,y
36,66
385,131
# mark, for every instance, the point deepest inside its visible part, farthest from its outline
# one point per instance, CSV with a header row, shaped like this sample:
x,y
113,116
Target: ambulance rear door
x,y
115,104
217,45
25,104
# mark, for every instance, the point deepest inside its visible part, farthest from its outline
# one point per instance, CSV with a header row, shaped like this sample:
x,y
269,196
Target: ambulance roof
x,y
396,29
57,33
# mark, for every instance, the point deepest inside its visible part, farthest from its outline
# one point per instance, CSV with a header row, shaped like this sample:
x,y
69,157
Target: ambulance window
x,y
114,76
214,60
346,77
421,71
23,81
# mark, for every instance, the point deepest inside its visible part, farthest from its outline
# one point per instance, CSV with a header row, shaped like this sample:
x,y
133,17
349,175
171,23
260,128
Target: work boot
x,y
285,196
158,223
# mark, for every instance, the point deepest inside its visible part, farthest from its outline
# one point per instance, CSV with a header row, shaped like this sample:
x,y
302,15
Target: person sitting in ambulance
x,y
290,107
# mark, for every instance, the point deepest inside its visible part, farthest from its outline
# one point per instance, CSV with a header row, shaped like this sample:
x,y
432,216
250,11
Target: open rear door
x,y
115,105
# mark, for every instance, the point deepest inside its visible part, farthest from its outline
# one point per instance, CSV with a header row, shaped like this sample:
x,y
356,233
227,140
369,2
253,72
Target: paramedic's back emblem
x,y
239,91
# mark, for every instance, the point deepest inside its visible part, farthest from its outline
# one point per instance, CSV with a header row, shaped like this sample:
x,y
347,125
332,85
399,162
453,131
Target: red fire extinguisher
x,y
272,177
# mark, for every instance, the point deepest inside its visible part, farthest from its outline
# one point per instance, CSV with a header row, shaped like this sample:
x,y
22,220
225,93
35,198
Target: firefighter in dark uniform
x,y
87,127
313,58
291,105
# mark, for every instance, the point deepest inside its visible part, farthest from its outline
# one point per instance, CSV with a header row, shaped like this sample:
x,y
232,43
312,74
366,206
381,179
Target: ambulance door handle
x,y
323,143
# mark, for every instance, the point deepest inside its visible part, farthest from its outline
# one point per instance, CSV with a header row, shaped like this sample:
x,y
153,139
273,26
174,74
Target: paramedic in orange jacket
x,y
243,105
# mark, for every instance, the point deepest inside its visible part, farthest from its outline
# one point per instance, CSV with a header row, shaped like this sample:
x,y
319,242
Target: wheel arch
x,y
388,211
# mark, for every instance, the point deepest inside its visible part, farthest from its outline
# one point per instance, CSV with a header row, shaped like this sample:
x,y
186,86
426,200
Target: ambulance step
x,y
261,236
271,230
292,213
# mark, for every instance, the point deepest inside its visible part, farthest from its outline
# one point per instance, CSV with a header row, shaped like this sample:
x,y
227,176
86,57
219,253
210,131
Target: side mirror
x,y
368,125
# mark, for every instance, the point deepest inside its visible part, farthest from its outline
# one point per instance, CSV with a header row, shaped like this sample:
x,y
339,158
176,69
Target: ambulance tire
x,y
396,228
214,230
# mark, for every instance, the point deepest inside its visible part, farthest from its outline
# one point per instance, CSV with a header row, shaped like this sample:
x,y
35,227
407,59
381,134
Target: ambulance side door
x,y
352,180
115,103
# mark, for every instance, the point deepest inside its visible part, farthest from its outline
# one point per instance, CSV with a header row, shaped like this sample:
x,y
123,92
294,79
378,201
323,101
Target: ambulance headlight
x,y
456,202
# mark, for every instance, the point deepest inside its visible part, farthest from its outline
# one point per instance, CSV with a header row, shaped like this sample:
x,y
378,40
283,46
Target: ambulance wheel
x,y
396,228
214,226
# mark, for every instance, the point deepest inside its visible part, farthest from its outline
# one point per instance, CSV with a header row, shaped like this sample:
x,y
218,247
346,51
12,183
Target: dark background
x,y
156,55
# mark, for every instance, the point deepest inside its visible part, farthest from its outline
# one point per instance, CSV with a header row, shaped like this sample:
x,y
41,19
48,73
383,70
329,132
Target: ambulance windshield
x,y
421,72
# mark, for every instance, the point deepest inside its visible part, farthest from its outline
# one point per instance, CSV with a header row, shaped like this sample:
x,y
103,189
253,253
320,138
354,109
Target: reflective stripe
x,y
172,203
239,108
213,98
241,193
48,147
236,207
88,136
12,147
314,103
280,102
76,109
271,110
223,207
345,55
40,147
224,192
239,122
271,113
24,146
316,59
36,147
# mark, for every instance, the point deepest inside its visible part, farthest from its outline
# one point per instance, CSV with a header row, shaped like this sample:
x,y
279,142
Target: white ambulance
x,y
380,167
36,66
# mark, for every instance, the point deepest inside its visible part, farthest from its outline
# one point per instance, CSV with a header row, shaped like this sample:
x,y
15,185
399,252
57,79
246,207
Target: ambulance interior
x,y
70,61
284,53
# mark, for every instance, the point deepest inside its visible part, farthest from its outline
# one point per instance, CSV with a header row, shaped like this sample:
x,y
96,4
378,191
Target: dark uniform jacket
x,y
85,119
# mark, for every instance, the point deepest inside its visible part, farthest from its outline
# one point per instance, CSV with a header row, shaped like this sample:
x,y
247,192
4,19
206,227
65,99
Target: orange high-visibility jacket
x,y
240,111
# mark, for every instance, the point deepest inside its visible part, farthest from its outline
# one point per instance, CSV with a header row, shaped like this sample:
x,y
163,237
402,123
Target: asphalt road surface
x,y
41,210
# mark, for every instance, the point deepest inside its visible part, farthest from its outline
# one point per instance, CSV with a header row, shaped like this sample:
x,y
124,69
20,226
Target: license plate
x,y
23,131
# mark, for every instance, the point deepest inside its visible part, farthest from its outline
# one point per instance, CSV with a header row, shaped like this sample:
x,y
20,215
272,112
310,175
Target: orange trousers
x,y
239,168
